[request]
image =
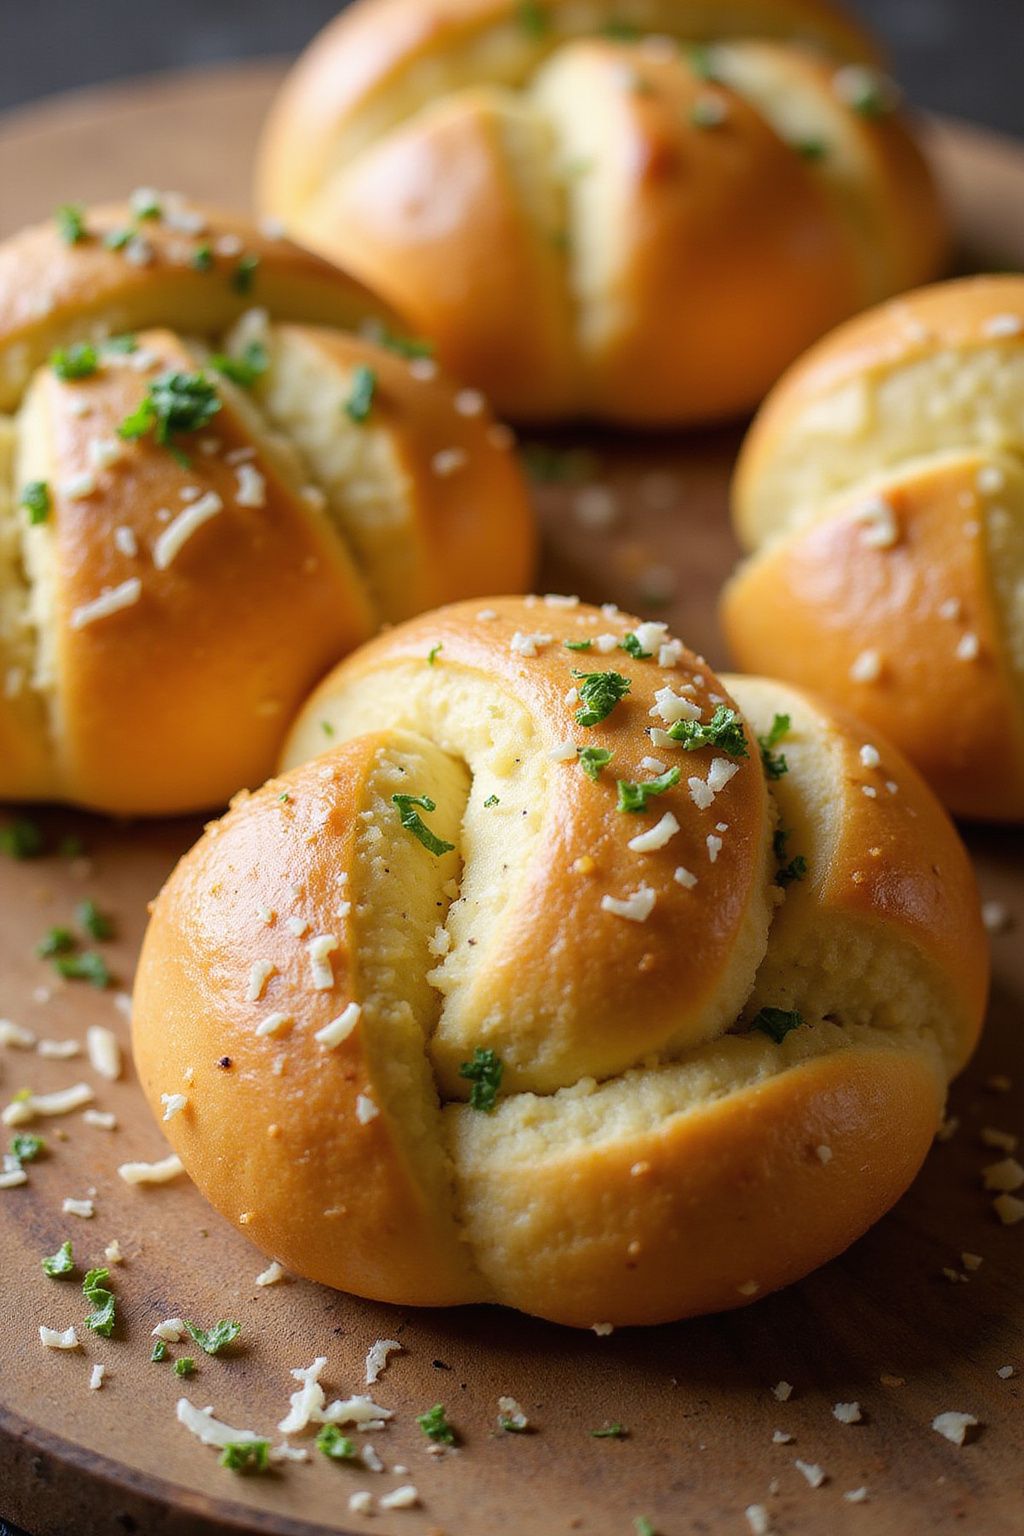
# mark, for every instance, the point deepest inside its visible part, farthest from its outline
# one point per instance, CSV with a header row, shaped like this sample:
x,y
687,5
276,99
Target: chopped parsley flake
x,y
217,1338
95,923
245,369
102,1320
532,18
593,759
360,399
409,347
202,257
26,1147
327,728
599,694
811,149
491,800
124,344
610,1432
702,62
56,941
777,1022
185,1366
79,361
796,869
70,221
146,205
246,1456
643,1526
578,645
433,653
774,763
634,797
244,275
160,1352
334,1445
60,1263
88,966
631,645
484,1071
413,822
117,239
21,839
435,1426
724,730
174,403
35,498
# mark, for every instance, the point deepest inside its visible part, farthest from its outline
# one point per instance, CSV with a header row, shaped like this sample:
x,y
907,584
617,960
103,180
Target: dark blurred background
x,y
956,56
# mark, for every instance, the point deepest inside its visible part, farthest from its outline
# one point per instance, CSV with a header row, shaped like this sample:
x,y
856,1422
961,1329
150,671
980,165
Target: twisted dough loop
x,y
591,215
162,620
881,495
653,1151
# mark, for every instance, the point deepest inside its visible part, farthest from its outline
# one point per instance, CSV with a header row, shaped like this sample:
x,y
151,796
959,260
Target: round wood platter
x,y
898,1324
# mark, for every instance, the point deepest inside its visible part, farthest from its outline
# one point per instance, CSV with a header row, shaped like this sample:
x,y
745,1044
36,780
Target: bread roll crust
x,y
591,220
698,1169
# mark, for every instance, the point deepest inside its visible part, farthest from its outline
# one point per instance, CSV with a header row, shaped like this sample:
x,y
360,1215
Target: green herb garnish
x,y
634,797
160,1352
56,941
643,1526
360,399
117,239
185,1366
70,220
95,923
79,361
409,347
123,345
578,645
702,62
246,1456
88,966
593,759
35,498
202,258
433,653
22,839
811,149
60,1263
724,731
174,403
484,1071
491,800
26,1147
334,1445
774,763
101,1320
435,1426
244,275
599,694
796,869
532,17
777,1022
610,1432
243,370
413,822
631,645
217,1338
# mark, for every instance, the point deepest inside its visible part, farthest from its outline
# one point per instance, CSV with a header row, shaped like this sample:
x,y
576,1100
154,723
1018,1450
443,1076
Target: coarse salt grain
x,y
847,1413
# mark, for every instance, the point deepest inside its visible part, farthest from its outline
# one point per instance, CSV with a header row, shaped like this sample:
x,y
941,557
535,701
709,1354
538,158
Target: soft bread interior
x,y
970,397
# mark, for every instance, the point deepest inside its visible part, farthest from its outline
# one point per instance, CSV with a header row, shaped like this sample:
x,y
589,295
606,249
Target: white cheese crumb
x,y
59,1050
320,950
511,1413
78,487
360,1503
173,1104
714,845
23,1110
757,1519
867,667
201,1423
968,647
684,878
178,532
448,460
16,1035
670,653
881,531
954,1427
112,1252
606,644
559,600
528,645
104,1052
469,402
1002,325
602,1329
172,1329
870,756
13,1174
400,1498
101,1119
366,1109
782,1437
989,1136
855,1495
252,487
152,1173
782,1391
340,1028
651,635
1006,1176
96,1376
702,795
377,1358
657,836
565,752
440,942
297,926
823,1154
847,1413
273,1023
83,1208
370,1459
259,974
653,765
671,706
285,1452
104,452
870,791
111,600
54,1339
271,1275
814,1474
486,614
1004,1372
636,907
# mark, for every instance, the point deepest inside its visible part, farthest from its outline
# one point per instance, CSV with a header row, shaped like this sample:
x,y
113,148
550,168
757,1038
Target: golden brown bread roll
x,y
881,495
452,1025
209,491
638,213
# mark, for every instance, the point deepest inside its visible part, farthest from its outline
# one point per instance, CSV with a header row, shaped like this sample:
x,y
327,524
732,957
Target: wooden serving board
x,y
882,1326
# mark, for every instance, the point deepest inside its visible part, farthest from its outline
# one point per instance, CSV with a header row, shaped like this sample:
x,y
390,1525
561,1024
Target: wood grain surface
x,y
641,523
